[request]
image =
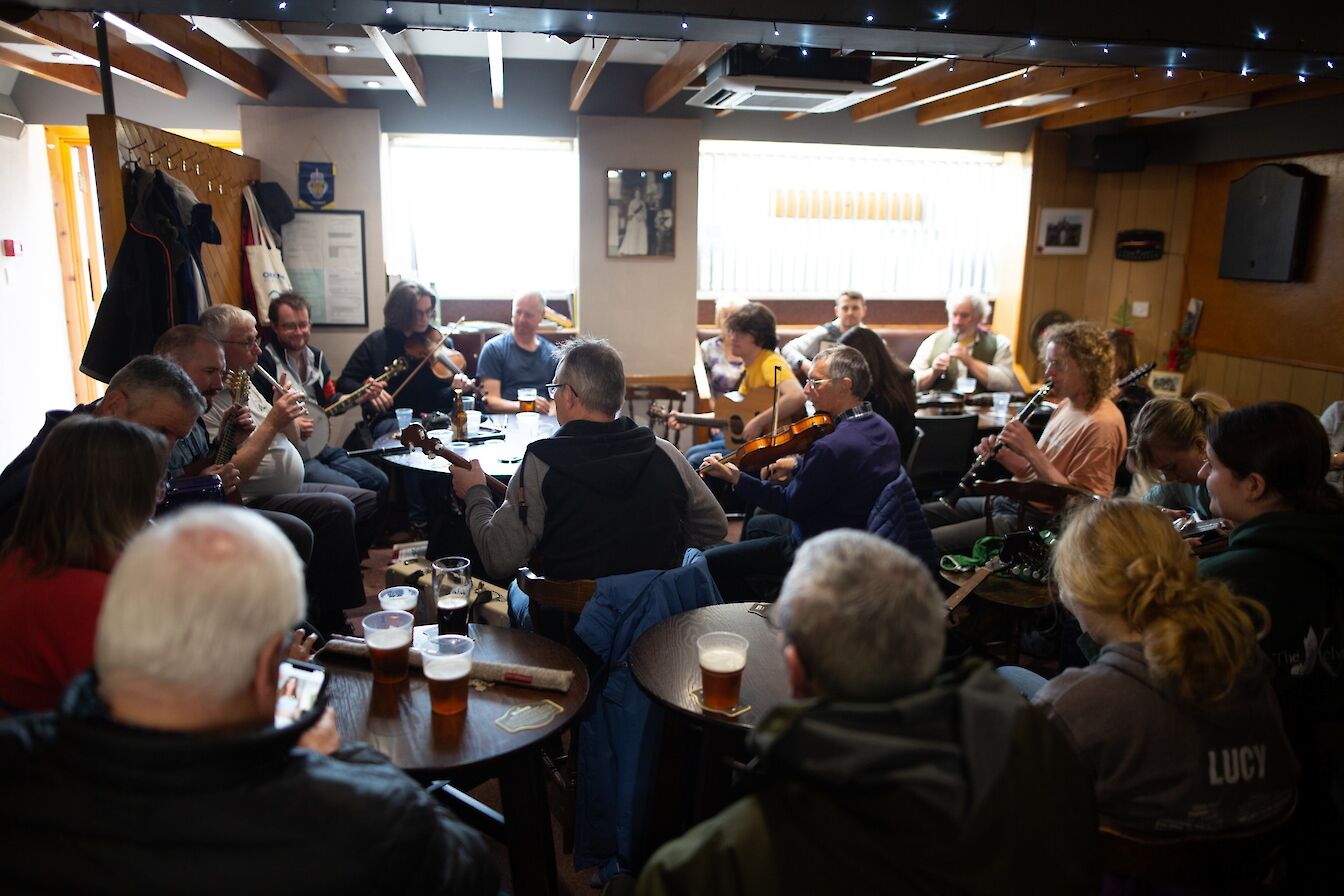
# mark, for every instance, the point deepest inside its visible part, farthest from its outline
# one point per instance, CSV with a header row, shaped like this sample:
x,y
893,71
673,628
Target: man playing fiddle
x,y
751,337
834,486
288,350
964,349
406,332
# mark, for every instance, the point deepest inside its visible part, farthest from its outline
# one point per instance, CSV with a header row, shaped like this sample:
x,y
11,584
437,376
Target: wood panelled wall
x,y
1095,287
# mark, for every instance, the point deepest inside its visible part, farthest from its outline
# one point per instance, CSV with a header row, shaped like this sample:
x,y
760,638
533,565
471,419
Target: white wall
x,y
35,371
645,306
279,136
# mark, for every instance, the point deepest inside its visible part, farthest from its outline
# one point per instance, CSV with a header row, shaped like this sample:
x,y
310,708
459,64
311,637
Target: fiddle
x,y
794,438
444,363
414,436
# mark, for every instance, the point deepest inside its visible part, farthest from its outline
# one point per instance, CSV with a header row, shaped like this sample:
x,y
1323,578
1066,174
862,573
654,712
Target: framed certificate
x,y
324,257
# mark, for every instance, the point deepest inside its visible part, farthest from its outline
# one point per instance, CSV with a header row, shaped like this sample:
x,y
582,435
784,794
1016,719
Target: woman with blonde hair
x,y
1176,720
1168,444
94,486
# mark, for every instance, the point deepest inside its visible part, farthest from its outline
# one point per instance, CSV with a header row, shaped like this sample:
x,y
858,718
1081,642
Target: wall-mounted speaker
x,y
1265,230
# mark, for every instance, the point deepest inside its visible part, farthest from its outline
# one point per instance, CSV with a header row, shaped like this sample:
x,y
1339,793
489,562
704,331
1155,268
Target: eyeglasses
x,y
814,383
254,342
552,389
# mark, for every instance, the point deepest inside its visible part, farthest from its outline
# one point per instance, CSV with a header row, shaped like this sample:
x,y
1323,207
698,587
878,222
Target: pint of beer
x,y
452,593
723,656
447,672
399,597
527,400
388,636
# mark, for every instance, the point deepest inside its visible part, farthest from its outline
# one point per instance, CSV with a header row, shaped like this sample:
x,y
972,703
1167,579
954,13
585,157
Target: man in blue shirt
x,y
518,359
834,486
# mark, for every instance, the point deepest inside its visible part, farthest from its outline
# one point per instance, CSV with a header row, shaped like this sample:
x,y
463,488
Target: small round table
x,y
499,457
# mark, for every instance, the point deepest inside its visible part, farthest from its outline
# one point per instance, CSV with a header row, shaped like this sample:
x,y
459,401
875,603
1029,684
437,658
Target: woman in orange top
x,y
94,485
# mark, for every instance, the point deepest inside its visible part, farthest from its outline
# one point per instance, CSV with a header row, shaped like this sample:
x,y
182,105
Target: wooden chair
x,y
565,600
944,452
671,400
1056,497
1225,863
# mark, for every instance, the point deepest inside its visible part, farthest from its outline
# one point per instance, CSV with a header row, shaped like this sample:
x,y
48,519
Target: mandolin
x,y
239,385
414,436
794,438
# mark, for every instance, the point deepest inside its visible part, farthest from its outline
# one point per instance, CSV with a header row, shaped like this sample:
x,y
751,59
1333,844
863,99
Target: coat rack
x,y
215,175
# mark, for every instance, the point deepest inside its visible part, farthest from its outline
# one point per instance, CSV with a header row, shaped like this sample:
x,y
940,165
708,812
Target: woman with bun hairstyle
x,y
1168,444
1176,720
893,391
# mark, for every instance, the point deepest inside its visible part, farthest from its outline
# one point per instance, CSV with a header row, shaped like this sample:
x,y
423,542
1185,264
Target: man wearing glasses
x,y
602,497
288,350
835,485
343,519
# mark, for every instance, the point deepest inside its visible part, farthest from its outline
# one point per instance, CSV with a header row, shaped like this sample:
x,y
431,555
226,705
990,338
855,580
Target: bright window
x,y
792,220
483,217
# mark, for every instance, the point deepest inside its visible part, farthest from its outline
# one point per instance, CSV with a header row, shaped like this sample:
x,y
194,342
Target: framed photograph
x,y
1166,383
1063,231
1193,311
641,213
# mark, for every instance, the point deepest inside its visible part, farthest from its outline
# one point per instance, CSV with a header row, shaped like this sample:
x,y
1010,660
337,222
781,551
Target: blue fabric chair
x,y
897,517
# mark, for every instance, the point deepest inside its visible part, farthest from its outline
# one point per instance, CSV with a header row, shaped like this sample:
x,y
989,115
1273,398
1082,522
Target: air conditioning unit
x,y
768,79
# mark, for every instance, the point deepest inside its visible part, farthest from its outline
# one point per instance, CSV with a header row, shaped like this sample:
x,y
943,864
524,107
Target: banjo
x,y
318,439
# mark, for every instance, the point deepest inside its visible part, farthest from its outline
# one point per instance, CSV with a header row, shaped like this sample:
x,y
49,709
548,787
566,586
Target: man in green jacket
x,y
884,777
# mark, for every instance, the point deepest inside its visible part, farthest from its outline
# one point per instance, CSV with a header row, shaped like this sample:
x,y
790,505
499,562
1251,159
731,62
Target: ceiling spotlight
x,y
683,22
388,11
342,48
868,17
953,66
1031,41
1261,34
804,51
373,83
1330,63
1170,74
1026,72
1185,55
1245,71
1105,49
1136,72
590,17
283,4
1301,79
491,11
194,26
776,24
941,15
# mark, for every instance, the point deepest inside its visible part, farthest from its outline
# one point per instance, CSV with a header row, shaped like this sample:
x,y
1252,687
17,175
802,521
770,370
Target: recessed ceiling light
x,y
342,48
373,83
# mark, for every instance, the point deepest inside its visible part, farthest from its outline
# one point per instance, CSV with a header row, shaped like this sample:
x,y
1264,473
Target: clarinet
x,y
950,499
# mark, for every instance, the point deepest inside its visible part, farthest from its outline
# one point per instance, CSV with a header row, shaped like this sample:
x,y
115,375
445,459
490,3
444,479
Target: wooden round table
x,y
665,663
396,720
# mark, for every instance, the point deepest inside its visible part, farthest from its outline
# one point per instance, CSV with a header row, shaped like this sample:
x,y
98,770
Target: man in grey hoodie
x,y
884,776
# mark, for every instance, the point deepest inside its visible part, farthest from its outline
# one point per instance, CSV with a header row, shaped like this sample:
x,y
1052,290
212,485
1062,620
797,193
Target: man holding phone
x,y
168,746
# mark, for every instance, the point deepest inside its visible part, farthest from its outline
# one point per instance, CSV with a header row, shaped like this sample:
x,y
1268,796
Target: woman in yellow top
x,y
751,337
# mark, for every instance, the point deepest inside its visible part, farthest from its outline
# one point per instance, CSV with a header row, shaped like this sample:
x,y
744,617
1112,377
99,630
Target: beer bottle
x,y
459,418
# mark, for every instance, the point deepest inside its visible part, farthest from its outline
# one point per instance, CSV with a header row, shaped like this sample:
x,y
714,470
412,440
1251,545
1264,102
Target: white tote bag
x,y
264,263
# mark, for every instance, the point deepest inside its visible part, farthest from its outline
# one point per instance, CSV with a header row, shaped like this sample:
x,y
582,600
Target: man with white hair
x,y
885,775
162,771
518,359
342,518
965,349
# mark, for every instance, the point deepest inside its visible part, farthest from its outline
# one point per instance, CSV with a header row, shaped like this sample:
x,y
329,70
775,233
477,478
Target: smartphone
x,y
302,687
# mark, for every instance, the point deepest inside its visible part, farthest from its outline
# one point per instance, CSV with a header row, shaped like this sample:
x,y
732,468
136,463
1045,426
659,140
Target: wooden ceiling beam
x,y
1210,88
73,34
269,35
1119,84
176,37
1296,93
397,53
586,72
494,43
78,77
954,77
690,61
1039,80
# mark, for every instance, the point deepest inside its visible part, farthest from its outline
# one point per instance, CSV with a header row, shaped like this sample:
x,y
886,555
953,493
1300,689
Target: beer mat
x,y
699,695
761,610
526,716
537,677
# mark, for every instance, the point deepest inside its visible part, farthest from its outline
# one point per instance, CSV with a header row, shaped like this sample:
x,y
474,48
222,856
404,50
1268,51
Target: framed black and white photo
x,y
1063,231
1166,383
641,213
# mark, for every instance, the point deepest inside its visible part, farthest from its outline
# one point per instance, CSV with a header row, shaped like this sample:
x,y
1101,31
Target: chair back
x,y
913,451
671,400
1054,497
944,452
1234,862
564,598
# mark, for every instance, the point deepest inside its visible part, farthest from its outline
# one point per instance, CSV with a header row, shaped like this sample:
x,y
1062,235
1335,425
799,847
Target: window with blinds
x,y
790,220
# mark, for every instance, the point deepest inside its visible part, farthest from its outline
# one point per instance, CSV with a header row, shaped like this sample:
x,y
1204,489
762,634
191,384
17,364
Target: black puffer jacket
x,y
94,806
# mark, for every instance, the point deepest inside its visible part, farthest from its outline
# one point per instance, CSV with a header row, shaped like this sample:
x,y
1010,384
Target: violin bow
x,y
774,422
429,353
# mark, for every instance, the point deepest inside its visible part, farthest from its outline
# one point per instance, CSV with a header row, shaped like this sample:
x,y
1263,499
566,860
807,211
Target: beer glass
x,y
401,597
447,671
966,385
388,636
723,656
405,417
452,593
527,400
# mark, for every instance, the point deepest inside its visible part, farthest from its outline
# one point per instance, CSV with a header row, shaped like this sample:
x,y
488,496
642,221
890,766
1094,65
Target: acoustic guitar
x,y
732,411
